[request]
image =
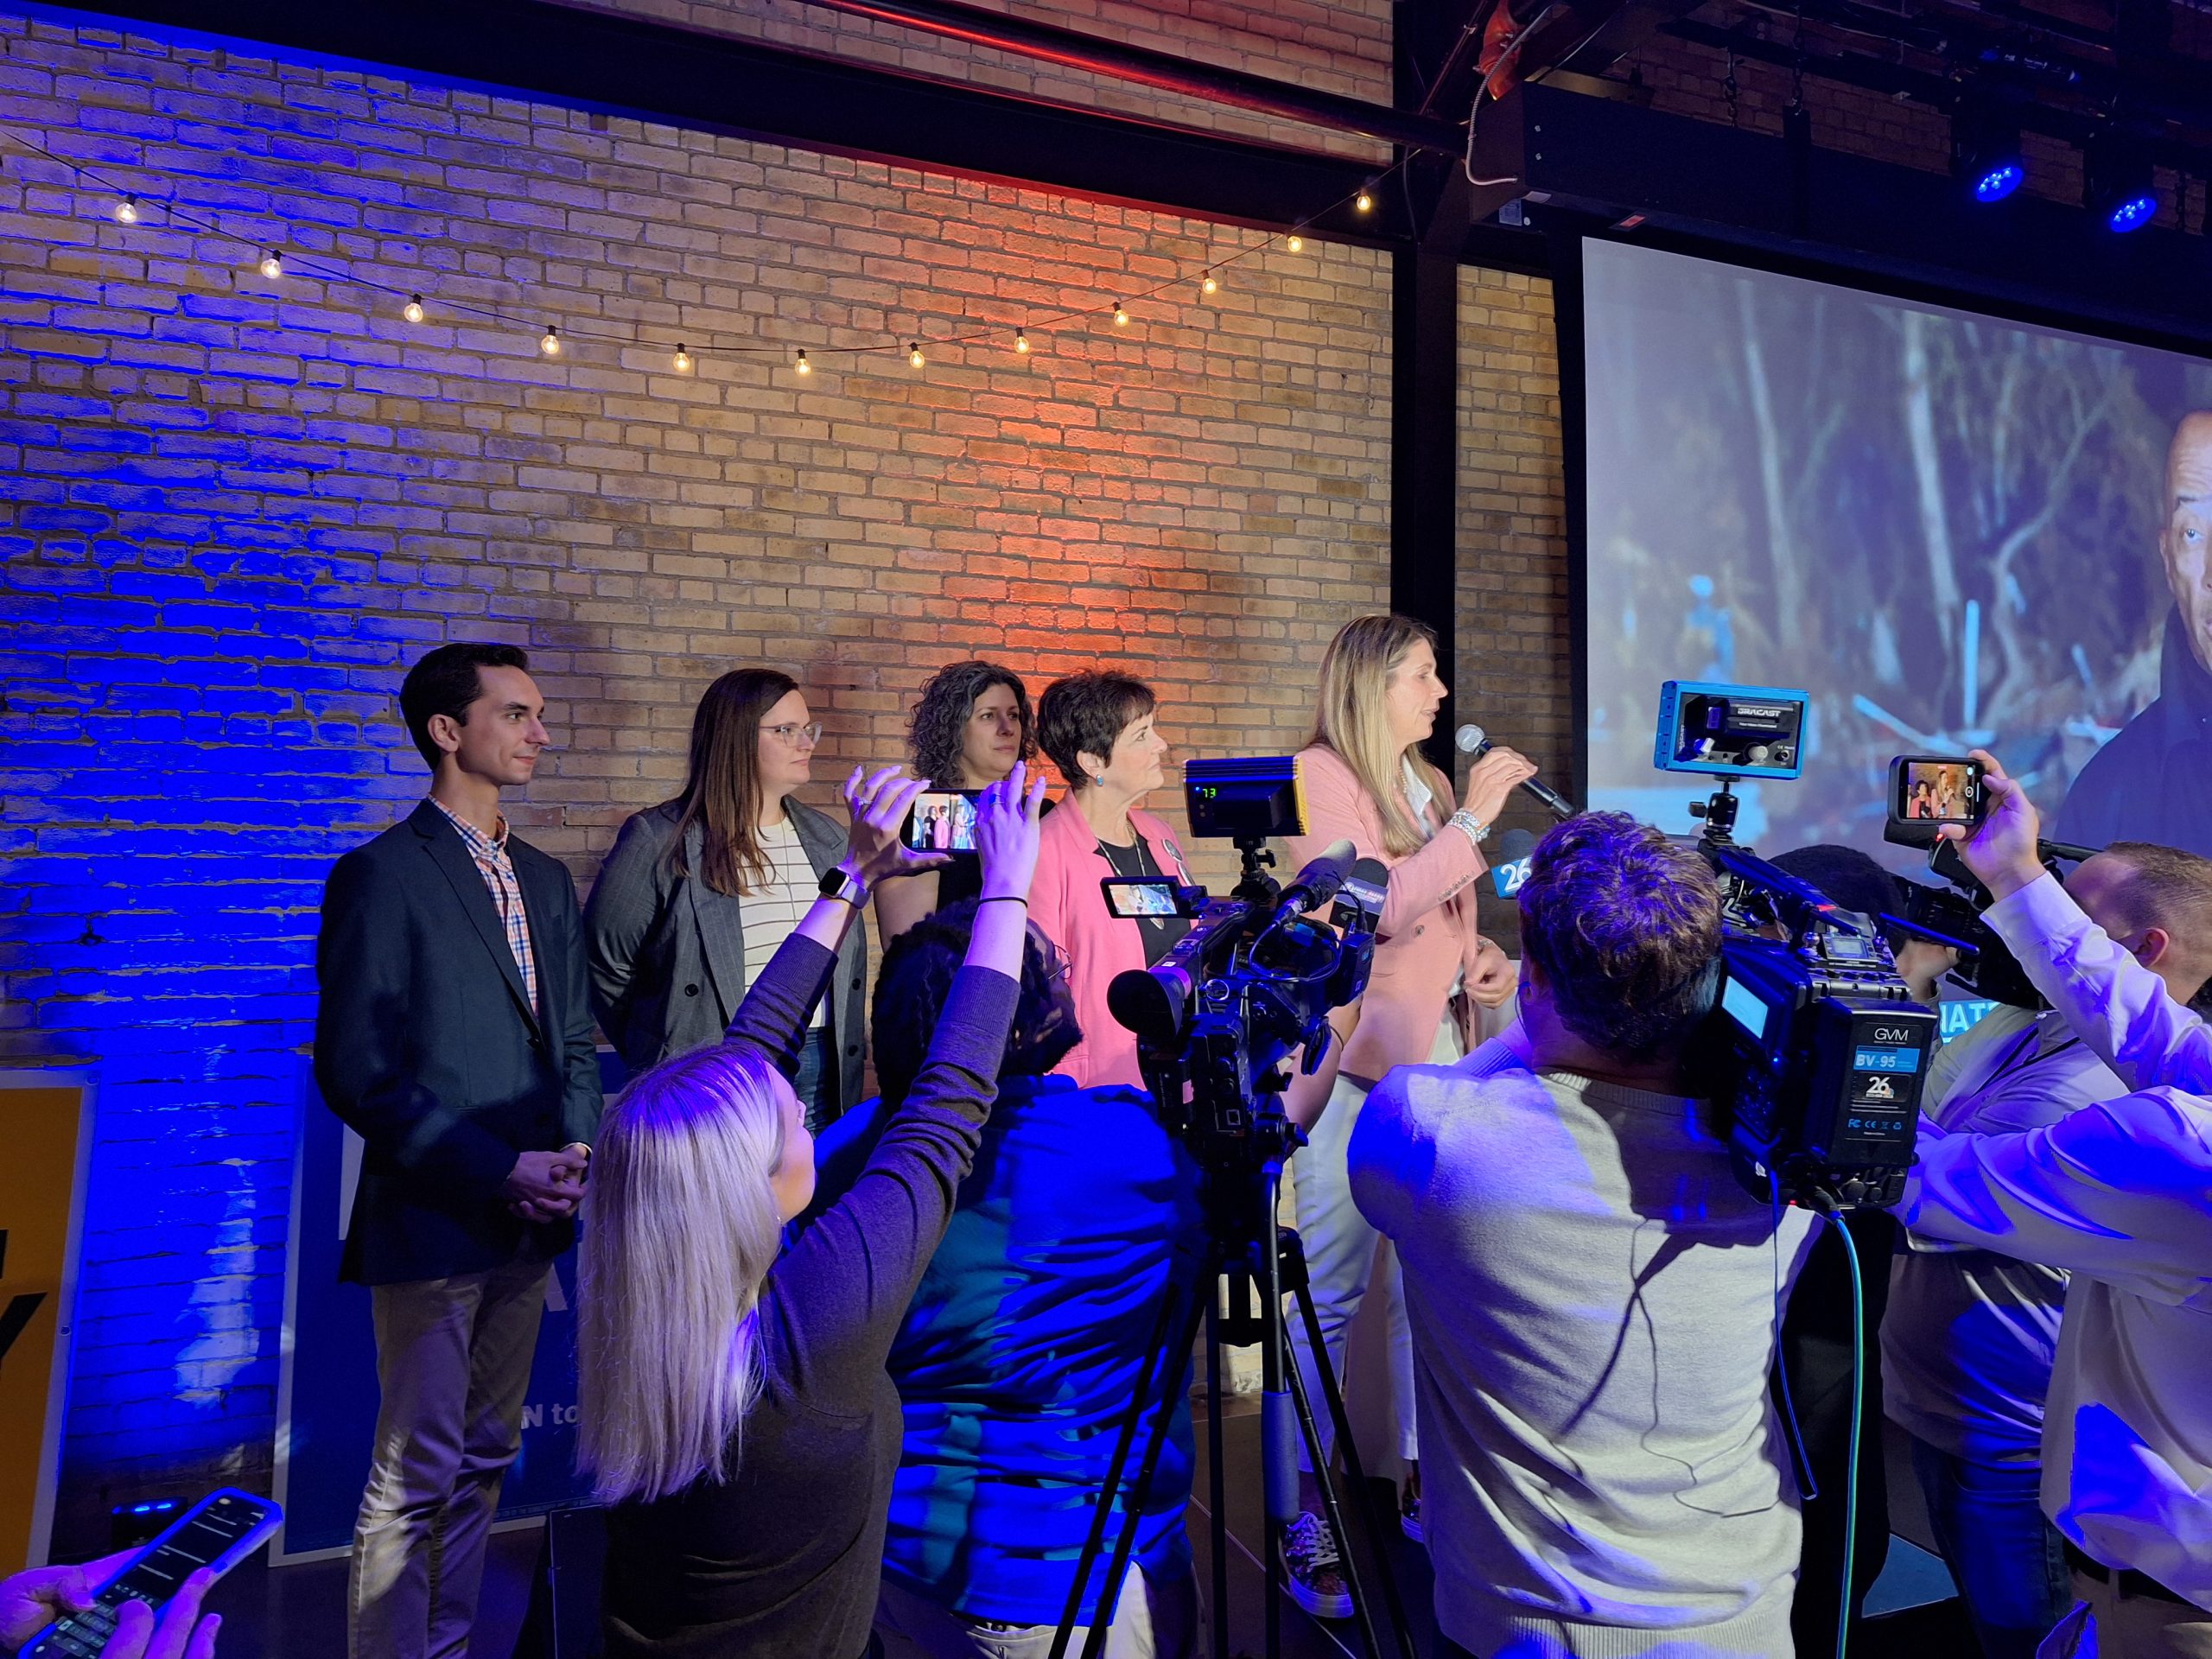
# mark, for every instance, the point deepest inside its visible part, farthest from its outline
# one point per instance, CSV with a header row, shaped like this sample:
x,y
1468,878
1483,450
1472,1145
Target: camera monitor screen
x,y
1135,897
1952,531
1730,730
942,821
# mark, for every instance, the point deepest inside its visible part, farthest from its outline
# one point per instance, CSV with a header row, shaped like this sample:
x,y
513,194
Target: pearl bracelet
x,y
1469,825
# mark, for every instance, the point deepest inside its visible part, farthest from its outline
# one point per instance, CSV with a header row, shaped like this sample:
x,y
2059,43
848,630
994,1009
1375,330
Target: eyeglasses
x,y
795,736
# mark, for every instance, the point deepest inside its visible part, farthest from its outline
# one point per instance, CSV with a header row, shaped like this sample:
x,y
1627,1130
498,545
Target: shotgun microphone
x,y
1471,740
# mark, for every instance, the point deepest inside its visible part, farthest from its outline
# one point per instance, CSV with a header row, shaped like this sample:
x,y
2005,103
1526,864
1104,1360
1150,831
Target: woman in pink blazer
x,y
1364,780
1098,729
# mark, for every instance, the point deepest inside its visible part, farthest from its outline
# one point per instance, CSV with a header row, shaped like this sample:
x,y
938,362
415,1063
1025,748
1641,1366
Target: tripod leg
x,y
1216,1474
1327,1482
1096,1539
1171,1364
1333,1396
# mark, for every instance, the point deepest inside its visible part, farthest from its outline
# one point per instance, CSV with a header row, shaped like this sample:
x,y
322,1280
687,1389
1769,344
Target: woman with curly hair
x,y
971,728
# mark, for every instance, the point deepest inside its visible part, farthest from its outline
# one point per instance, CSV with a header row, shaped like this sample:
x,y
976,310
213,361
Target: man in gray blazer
x,y
667,952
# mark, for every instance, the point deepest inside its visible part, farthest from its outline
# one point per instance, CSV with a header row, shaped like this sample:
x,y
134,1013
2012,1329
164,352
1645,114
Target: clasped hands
x,y
547,1186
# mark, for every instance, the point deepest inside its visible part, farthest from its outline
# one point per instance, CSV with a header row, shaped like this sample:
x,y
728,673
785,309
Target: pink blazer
x,y
1064,900
1427,932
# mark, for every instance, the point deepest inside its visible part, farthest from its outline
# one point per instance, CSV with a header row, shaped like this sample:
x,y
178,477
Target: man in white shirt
x,y
1970,1335
1593,1294
2119,1192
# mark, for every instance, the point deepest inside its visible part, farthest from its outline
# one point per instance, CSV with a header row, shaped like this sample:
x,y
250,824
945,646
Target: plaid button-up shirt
x,y
490,855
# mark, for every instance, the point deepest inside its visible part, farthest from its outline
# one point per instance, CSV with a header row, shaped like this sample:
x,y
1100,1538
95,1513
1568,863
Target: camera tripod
x,y
1239,1210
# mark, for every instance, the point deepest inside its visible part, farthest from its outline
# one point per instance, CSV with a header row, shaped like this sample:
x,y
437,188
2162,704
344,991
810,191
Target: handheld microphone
x,y
1316,883
1367,884
1471,740
1510,868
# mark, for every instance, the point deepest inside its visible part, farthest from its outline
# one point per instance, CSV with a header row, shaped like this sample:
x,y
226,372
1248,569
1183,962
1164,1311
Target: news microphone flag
x,y
1510,868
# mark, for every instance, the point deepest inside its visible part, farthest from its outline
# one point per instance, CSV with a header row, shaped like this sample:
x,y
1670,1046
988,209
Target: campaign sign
x,y
327,1395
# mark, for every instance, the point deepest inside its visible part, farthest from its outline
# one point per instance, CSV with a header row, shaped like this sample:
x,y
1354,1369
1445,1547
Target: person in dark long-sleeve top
x,y
454,1037
736,1413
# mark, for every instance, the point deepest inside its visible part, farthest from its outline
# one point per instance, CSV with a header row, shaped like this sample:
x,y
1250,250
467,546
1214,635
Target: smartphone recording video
x,y
1929,791
941,821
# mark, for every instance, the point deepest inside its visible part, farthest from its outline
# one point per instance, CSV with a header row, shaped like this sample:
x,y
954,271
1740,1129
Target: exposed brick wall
x,y
1341,47
233,511
1515,669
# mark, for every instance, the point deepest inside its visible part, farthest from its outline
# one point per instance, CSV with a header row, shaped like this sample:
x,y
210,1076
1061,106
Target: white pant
x,y
1151,1621
1340,1252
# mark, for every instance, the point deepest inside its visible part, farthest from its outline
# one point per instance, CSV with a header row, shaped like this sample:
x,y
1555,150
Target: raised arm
x,y
845,1284
773,1017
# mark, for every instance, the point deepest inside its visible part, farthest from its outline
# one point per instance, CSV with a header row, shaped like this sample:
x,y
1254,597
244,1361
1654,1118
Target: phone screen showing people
x,y
942,821
1936,790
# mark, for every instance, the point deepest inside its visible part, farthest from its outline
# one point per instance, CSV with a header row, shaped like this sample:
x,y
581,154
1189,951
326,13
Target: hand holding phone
x,y
144,1603
1929,791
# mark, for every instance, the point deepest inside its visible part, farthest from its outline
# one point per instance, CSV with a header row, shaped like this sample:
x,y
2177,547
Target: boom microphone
x,y
1318,882
1471,740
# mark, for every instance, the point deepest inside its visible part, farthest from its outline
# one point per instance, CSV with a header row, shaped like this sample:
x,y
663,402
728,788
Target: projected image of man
x,y
2153,782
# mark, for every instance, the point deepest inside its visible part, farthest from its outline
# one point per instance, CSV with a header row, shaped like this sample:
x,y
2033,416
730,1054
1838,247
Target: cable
x,y
1858,1405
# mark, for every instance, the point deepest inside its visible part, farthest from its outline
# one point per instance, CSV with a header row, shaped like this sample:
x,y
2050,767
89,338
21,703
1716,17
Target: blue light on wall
x,y
1999,182
2133,213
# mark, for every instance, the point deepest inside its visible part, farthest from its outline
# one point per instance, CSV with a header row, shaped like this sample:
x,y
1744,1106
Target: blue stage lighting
x,y
2133,213
2118,183
1999,182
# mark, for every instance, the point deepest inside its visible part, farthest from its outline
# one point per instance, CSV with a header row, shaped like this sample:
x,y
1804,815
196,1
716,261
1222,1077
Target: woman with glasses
x,y
700,891
972,725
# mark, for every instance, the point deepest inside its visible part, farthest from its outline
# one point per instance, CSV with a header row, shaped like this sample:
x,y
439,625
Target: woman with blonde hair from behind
x,y
1366,781
736,1416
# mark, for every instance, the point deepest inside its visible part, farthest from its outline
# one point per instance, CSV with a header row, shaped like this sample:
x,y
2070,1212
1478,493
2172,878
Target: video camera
x,y
1820,1049
1951,915
1253,978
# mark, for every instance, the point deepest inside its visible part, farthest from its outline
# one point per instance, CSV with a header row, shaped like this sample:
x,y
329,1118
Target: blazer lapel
x,y
722,927
442,841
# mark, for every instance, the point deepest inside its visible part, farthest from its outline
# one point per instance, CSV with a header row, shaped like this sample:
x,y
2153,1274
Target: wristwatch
x,y
838,882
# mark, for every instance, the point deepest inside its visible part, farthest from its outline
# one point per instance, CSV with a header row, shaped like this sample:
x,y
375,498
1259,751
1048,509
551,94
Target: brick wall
x,y
1341,47
232,509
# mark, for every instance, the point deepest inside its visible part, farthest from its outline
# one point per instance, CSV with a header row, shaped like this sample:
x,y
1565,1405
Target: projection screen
x,y
1951,530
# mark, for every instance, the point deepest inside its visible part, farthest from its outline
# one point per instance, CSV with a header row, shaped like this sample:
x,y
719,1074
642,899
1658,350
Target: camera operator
x,y
1970,1336
1365,781
1592,1293
1028,1334
2120,1192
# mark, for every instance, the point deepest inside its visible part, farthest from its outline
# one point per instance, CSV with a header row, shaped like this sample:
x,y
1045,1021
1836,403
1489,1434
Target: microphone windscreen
x,y
1511,867
1366,885
1470,739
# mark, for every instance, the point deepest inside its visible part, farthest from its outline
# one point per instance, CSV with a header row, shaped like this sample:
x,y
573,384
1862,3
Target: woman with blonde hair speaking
x,y
735,1413
1366,781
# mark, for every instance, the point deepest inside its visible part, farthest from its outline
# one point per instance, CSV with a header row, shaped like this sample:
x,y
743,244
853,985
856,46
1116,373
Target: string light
x,y
803,365
1297,243
683,359
413,309
272,264
1210,285
126,211
914,354
1365,201
551,344
1121,317
1021,341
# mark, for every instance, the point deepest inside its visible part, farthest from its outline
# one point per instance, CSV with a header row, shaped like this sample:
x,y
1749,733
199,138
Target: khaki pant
x,y
453,1364
2107,1624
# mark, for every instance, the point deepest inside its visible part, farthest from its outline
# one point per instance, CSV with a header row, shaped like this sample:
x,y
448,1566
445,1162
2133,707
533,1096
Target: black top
x,y
1160,932
963,877
426,1045
783,1560
2153,782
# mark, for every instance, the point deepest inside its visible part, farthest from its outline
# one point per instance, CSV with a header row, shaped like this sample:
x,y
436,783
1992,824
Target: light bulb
x,y
682,359
803,365
1298,245
1209,286
914,354
272,264
551,344
1021,341
126,211
1364,200
413,309
1121,317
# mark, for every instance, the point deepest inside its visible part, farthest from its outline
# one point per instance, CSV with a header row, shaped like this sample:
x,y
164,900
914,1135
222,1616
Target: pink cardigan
x,y
1427,932
1064,900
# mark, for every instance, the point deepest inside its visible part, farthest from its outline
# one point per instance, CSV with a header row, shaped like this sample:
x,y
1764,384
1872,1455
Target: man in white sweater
x,y
2120,1192
1592,1295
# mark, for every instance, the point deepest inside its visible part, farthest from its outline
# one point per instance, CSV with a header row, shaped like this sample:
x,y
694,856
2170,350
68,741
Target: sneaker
x,y
1409,1514
1314,1569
